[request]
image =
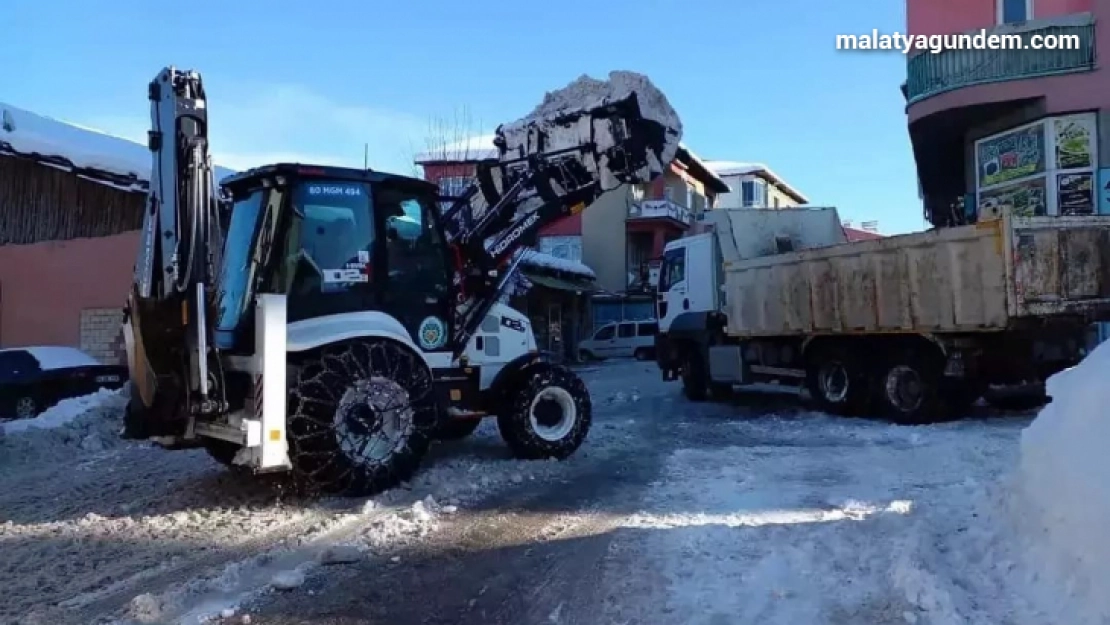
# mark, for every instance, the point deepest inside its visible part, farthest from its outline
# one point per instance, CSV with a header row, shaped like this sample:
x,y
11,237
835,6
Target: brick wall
x,y
102,335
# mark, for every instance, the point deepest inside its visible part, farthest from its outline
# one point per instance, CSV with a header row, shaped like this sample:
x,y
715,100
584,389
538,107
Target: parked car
x,y
621,340
33,379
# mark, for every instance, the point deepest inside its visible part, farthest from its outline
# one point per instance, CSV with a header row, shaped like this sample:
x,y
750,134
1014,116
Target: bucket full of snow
x,y
628,129
1065,473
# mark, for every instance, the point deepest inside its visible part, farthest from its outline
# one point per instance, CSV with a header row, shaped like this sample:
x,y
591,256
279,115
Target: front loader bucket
x,y
597,133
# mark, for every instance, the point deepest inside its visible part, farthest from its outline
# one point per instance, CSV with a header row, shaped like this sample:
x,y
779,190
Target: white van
x,y
621,340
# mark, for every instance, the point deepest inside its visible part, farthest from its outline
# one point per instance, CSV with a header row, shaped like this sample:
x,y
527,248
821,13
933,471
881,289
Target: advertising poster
x,y
1023,199
1075,137
1011,155
1075,194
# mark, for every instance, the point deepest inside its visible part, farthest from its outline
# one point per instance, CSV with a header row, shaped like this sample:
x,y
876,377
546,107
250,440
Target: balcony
x,y
930,74
660,209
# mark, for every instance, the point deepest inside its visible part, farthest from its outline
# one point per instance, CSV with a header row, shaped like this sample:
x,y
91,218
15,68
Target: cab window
x,y
329,250
604,334
673,270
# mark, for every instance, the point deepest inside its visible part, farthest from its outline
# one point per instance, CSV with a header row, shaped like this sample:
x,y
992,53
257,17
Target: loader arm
x,y
584,140
168,329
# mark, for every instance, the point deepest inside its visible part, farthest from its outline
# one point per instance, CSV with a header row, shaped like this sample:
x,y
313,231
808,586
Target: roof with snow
x,y
539,260
89,153
733,168
701,170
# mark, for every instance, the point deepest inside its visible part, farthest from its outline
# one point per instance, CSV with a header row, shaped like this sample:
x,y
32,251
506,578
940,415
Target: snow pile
x,y
547,261
565,119
90,423
1065,474
111,160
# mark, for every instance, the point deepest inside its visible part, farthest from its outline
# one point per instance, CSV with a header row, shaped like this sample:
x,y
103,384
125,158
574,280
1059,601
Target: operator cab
x,y
334,240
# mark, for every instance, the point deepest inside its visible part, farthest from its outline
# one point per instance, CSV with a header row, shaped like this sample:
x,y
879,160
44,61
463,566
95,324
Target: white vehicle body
x,y
624,339
758,296
259,427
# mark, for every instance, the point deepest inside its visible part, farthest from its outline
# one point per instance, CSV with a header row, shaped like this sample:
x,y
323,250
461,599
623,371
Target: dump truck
x,y
912,327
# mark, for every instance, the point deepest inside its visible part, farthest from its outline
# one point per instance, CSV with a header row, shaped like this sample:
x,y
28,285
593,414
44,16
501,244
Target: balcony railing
x,y
929,74
660,209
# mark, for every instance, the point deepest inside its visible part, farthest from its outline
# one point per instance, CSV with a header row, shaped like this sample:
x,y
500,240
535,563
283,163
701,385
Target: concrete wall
x,y
940,17
45,287
604,238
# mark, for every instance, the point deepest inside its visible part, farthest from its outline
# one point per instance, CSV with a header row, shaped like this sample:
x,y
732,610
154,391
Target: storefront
x,y
1047,167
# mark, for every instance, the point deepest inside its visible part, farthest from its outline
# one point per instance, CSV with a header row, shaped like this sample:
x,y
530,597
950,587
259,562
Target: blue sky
x,y
753,80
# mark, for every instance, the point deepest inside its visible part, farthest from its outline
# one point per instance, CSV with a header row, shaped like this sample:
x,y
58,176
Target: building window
x,y
1012,11
565,247
753,194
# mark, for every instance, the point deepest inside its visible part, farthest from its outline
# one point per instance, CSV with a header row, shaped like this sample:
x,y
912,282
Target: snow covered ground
x,y
706,513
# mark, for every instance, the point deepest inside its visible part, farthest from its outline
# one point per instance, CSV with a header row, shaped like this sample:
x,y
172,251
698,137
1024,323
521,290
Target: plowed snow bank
x,y
1065,471
90,423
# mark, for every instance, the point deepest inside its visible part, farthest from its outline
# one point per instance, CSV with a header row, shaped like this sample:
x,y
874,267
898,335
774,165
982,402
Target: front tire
x,y
549,416
360,416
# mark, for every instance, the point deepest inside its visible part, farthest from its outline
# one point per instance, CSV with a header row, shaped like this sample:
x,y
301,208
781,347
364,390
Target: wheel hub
x,y
904,388
373,418
25,408
834,382
553,413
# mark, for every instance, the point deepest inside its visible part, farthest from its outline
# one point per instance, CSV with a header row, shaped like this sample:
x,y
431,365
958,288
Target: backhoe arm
x,y
170,348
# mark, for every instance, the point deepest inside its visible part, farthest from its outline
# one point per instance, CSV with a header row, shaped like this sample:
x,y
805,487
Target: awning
x,y
560,283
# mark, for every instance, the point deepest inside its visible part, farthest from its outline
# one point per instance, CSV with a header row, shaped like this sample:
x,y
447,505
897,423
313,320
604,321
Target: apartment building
x,y
754,185
1020,128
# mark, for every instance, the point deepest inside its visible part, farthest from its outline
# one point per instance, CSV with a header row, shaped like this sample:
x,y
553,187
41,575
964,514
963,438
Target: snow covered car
x,y
33,379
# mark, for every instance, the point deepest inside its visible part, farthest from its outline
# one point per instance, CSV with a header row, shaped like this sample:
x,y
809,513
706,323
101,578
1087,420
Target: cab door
x,y
417,287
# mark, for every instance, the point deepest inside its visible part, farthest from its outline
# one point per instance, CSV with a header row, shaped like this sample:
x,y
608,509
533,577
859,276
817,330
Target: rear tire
x,y
455,429
360,416
907,389
548,416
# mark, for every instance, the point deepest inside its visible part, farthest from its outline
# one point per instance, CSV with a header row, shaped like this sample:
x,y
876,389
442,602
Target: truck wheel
x,y
360,415
695,379
455,429
838,382
548,416
907,389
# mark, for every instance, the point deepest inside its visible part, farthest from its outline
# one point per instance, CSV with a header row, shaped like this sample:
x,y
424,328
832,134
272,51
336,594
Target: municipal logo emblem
x,y
433,333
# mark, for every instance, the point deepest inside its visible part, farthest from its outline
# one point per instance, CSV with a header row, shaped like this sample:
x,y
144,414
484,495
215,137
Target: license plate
x,y
106,379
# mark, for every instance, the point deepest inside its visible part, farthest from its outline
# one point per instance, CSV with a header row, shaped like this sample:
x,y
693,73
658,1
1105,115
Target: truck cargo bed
x,y
982,277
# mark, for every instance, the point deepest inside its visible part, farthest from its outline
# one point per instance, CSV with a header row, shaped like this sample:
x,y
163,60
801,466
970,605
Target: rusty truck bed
x,y
974,278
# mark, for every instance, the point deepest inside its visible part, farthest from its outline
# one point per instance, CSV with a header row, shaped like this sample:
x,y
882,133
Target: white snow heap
x,y
547,261
566,119
1065,471
126,164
